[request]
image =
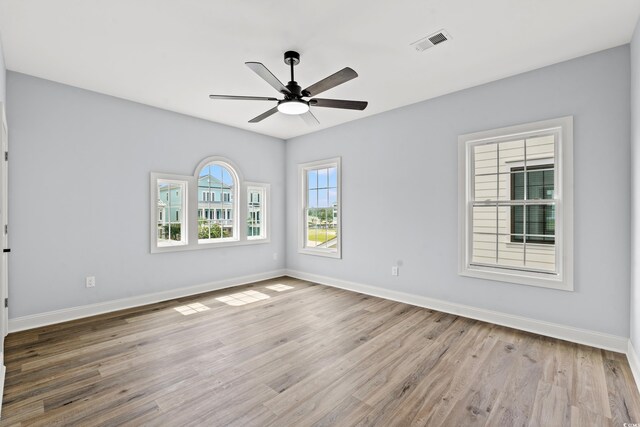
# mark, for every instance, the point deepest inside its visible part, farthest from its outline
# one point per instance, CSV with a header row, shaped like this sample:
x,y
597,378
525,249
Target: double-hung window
x,y
516,202
319,221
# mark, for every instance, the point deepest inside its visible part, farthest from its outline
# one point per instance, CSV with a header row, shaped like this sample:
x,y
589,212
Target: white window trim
x,y
563,280
302,191
265,222
190,215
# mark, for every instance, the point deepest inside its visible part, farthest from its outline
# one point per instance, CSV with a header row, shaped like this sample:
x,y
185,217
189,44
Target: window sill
x,y
200,246
552,281
321,252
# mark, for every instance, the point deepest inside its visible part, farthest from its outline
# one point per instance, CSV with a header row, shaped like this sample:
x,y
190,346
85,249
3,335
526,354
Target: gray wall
x,y
400,196
3,74
79,185
635,189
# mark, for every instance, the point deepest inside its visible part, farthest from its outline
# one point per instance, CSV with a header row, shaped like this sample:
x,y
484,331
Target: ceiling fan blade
x,y
309,118
332,81
264,115
243,98
267,76
338,103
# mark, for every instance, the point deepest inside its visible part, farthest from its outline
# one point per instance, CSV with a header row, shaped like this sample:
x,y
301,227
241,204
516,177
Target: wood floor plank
x,y
583,417
550,406
406,353
433,399
474,407
310,355
514,405
589,382
622,401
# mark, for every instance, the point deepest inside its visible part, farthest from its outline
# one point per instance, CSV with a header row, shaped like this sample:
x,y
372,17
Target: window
x,y
319,228
204,210
256,211
516,204
170,206
217,177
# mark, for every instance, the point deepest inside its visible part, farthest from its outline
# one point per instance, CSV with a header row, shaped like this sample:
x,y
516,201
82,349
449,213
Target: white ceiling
x,y
173,54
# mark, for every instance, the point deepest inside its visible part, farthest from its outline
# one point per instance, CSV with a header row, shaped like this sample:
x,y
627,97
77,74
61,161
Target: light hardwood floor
x,y
307,355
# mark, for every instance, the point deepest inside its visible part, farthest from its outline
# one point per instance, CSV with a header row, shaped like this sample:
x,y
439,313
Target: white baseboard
x,y
634,363
64,315
554,330
568,333
3,371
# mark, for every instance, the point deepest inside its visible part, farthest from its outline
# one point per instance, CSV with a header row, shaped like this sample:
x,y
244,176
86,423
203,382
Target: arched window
x,y
218,184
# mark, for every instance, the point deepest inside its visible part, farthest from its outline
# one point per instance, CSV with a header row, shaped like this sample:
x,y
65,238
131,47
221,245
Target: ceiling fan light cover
x,y
293,107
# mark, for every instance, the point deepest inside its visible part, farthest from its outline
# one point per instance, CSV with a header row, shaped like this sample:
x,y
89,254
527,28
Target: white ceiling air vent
x,y
431,40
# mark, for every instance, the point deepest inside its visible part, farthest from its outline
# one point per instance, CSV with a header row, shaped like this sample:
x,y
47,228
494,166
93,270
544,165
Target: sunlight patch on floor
x,y
279,287
188,309
242,298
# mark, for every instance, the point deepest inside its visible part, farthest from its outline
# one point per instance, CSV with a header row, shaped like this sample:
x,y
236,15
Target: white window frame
x,y
302,220
186,182
265,221
562,279
190,211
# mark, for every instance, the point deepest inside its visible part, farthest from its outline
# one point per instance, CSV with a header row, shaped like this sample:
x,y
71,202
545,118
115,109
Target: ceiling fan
x,y
293,102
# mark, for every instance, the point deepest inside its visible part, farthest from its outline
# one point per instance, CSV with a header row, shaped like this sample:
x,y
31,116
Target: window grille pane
x,y
541,224
517,223
510,255
541,147
541,257
485,159
333,177
485,219
484,249
312,179
312,227
486,187
333,197
312,200
323,178
323,198
510,152
330,225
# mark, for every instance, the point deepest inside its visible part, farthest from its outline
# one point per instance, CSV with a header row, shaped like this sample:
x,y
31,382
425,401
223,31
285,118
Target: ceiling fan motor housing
x,y
291,57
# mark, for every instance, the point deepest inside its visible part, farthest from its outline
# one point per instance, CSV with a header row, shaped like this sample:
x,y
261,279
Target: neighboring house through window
x,y
219,180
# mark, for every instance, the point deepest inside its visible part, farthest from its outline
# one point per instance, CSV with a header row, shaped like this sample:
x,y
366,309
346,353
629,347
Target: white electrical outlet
x,y
275,256
90,281
394,270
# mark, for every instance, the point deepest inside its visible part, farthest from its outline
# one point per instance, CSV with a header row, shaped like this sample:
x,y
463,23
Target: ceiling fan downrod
x,y
292,58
